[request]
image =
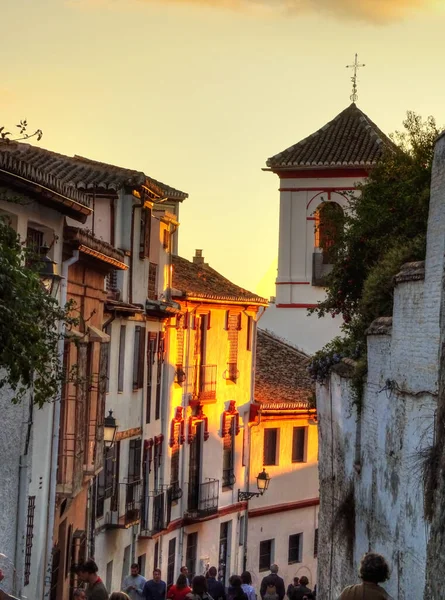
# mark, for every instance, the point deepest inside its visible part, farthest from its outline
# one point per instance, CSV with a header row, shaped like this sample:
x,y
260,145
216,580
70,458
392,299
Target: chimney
x,y
198,259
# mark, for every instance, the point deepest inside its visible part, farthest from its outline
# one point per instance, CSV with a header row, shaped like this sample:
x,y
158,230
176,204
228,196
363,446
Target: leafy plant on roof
x,y
29,319
22,126
385,226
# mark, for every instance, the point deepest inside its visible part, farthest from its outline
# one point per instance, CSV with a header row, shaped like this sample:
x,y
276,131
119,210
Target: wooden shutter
x,y
141,358
137,337
270,446
298,444
121,367
145,230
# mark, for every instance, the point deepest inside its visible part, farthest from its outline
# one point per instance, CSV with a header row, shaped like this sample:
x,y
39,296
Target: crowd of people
x,y
373,571
202,587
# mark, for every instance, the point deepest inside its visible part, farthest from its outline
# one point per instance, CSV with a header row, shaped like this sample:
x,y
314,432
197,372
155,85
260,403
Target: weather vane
x,y
356,66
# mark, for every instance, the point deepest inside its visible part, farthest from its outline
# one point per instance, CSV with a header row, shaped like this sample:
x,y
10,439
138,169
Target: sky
x,y
199,93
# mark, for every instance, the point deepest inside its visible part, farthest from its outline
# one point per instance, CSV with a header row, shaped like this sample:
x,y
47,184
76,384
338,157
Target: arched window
x,y
329,221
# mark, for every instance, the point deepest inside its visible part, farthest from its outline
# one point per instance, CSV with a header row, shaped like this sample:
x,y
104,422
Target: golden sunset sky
x,y
199,94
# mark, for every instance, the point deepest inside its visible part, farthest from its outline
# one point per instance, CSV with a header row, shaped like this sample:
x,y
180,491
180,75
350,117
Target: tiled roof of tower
x,y
83,173
281,376
351,139
201,281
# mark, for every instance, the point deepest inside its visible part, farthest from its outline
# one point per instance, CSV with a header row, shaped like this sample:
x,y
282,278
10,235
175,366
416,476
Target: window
x,y
242,532
151,355
107,356
228,478
157,460
250,329
166,240
295,548
174,464
171,561
190,555
299,444
156,556
100,494
134,460
34,240
152,281
266,554
142,560
109,575
29,536
329,220
316,543
270,447
121,367
144,237
110,471
180,338
233,327
159,374
138,357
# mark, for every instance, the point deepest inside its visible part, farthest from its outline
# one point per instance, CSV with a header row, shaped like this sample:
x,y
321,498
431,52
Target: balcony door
x,y
195,468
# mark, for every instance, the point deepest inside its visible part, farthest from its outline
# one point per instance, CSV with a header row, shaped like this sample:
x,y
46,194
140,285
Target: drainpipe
x,y
21,508
252,398
55,437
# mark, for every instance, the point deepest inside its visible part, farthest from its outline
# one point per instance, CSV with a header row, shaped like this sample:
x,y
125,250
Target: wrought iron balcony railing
x,y
203,499
199,382
129,507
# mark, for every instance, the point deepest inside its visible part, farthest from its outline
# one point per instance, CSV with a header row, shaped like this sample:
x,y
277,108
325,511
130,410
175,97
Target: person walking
x,y
199,589
88,572
155,589
184,571
247,586
134,583
291,586
215,588
180,589
301,590
373,570
272,586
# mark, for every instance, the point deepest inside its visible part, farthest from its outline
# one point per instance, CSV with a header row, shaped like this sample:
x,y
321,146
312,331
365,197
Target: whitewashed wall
x,y
377,450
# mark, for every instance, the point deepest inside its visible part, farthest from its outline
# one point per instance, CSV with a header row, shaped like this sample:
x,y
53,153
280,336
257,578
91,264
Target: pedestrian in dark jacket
x,y
215,587
235,591
272,586
299,592
155,589
291,586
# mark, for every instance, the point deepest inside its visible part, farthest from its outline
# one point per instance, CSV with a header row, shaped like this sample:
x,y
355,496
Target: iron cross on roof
x,y
356,66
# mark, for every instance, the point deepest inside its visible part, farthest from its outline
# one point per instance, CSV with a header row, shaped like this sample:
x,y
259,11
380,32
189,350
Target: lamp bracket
x,y
246,496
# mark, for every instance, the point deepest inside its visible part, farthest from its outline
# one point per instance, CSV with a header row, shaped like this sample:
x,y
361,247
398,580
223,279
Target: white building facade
x,y
283,440
37,214
325,168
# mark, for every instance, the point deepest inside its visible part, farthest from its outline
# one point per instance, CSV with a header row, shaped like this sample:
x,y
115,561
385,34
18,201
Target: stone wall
x,y
371,453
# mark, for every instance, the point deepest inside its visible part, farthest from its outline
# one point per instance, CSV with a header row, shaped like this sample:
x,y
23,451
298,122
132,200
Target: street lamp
x,y
262,482
47,272
110,426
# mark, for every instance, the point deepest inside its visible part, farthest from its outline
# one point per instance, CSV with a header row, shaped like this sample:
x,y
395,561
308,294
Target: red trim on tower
x,y
296,305
317,189
292,283
322,173
277,508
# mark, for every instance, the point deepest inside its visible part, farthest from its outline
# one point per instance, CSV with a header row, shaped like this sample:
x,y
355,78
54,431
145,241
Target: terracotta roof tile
x,y
83,173
281,375
201,281
351,139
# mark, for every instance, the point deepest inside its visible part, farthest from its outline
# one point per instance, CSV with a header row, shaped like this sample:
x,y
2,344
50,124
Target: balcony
x,y
202,500
228,478
129,503
157,510
199,383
